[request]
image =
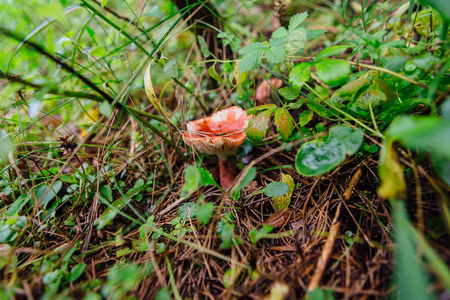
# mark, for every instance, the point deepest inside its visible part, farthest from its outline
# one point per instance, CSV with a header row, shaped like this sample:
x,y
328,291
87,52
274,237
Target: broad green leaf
x,y
276,54
104,2
76,272
284,123
295,41
332,72
300,74
333,50
187,210
51,193
296,20
17,205
397,63
258,233
204,212
254,47
313,33
441,165
192,176
171,69
441,6
410,274
105,108
54,10
98,52
154,12
305,117
258,125
318,157
225,230
213,73
203,46
281,32
275,189
445,109
288,92
347,92
206,178
198,70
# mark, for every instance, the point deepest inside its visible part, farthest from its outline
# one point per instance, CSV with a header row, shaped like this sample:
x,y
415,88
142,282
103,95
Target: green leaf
x,y
296,20
170,68
253,55
192,176
283,201
332,72
187,210
203,46
104,2
249,177
51,193
281,32
441,165
288,92
305,117
313,33
17,205
284,123
275,189
295,41
204,212
333,50
316,157
445,109
98,52
225,230
276,54
154,12
258,233
111,212
76,272
105,108
412,278
441,6
198,70
213,73
258,125
54,10
206,178
300,74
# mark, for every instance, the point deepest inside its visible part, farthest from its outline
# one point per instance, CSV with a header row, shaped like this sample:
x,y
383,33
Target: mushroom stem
x,y
227,171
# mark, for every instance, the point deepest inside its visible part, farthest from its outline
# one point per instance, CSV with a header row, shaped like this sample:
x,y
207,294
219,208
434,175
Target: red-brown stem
x,y
228,172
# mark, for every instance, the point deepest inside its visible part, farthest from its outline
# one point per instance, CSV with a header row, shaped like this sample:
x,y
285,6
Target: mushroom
x,y
221,134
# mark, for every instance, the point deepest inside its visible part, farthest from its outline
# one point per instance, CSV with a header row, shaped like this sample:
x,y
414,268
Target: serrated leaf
x,y
296,20
258,233
253,55
187,210
203,46
206,178
170,68
332,72
258,125
276,54
330,51
154,12
313,33
316,157
254,47
275,189
295,41
204,212
281,32
300,74
213,73
288,92
284,123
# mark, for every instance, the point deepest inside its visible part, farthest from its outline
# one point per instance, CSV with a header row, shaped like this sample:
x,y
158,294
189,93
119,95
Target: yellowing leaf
x,y
283,202
284,123
391,172
257,126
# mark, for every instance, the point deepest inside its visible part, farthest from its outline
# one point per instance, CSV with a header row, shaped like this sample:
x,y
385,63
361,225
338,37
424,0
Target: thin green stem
x,y
172,280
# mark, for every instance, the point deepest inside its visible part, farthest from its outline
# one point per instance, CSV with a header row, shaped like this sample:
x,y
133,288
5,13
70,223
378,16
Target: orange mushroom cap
x,y
221,134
